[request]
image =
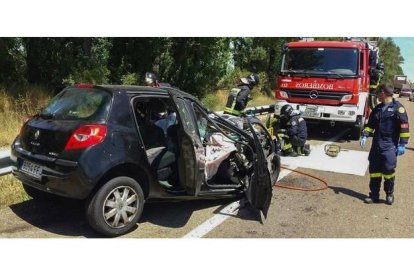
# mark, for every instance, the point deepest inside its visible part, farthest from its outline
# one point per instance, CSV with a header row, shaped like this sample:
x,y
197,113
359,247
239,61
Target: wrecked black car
x,y
118,147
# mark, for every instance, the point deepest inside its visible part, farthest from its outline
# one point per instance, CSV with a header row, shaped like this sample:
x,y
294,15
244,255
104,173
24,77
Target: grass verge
x,y
11,191
13,110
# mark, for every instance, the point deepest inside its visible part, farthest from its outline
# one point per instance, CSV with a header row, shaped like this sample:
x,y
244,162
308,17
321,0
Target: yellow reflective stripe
x,y
375,175
388,176
227,109
287,146
235,92
232,111
270,129
405,135
234,102
368,129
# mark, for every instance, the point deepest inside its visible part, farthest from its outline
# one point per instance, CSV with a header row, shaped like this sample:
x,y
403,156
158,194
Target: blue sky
x,y
406,45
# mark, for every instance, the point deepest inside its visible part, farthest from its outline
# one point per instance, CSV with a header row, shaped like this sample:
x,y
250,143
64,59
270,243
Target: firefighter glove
x,y
363,141
400,150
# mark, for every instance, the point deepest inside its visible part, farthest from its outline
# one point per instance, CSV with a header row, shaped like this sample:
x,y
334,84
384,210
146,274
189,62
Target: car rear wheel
x,y
116,207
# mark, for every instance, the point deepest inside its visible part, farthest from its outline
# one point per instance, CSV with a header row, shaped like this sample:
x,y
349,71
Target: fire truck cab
x,y
328,81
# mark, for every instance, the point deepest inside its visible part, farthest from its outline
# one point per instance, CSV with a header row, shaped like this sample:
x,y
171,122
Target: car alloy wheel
x,y
120,207
116,207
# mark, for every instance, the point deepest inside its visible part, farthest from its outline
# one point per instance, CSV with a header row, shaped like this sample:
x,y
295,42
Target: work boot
x,y
306,149
389,199
371,199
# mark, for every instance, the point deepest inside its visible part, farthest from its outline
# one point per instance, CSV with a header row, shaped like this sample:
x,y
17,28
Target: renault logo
x,y
36,134
313,94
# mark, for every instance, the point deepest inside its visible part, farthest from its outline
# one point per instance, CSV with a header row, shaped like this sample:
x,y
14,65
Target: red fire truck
x,y
329,81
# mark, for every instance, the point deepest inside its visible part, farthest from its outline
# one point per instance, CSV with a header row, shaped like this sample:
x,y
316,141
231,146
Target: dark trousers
x,y
382,164
291,143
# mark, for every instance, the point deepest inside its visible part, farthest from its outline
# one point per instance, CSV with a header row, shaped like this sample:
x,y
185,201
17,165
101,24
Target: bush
x,y
211,101
130,79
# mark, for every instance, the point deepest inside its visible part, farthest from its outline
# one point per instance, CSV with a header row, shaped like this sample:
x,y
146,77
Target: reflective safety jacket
x,y
237,100
295,126
389,126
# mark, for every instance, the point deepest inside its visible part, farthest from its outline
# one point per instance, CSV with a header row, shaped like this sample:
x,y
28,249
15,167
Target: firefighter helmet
x,y
251,80
150,78
287,110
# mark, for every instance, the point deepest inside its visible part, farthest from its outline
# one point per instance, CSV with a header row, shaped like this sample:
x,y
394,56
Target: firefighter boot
x,y
389,190
306,149
389,198
372,199
374,186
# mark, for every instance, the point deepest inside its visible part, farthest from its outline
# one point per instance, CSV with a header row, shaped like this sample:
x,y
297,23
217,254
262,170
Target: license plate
x,y
311,111
31,169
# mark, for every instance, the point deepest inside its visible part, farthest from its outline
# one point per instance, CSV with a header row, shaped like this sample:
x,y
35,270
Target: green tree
x,y
51,61
262,55
12,63
90,62
391,56
135,56
196,64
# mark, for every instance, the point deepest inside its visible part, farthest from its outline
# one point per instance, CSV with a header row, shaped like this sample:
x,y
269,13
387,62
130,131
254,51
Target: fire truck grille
x,y
316,94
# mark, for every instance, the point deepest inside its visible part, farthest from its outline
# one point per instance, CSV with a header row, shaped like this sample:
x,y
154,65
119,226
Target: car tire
x,y
356,131
37,194
116,207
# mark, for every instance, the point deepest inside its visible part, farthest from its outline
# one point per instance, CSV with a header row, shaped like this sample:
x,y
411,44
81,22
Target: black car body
x,y
104,144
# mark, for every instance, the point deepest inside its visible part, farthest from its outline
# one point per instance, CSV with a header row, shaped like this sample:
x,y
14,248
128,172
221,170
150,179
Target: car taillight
x,y
86,136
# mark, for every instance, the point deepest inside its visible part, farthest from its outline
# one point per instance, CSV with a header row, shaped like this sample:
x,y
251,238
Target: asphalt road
x,y
336,212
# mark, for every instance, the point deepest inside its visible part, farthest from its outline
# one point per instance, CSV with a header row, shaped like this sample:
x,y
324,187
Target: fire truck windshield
x,y
331,62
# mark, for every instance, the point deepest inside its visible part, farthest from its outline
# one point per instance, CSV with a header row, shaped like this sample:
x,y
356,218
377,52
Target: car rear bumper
x,y
60,177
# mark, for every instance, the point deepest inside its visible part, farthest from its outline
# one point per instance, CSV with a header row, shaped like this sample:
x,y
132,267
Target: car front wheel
x,y
116,207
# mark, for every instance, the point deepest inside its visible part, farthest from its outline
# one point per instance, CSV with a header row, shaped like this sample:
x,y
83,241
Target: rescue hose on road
x,y
325,185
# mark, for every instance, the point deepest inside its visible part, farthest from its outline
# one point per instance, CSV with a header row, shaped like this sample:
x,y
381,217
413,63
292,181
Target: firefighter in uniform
x,y
388,124
375,78
240,95
292,129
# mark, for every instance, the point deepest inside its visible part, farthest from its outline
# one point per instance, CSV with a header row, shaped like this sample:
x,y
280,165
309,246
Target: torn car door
x,y
192,150
259,192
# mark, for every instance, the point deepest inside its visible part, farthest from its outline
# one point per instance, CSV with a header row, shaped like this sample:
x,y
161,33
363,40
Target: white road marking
x,y
204,228
224,214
